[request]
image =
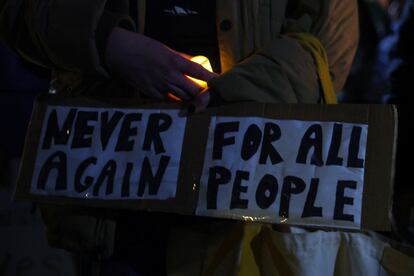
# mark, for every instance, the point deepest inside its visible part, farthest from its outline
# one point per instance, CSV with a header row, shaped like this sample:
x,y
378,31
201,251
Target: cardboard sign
x,y
108,153
315,165
301,172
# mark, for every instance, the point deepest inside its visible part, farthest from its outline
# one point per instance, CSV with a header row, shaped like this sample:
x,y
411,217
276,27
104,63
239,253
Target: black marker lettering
x,y
310,210
251,142
157,123
333,158
82,137
58,162
126,132
216,176
220,141
236,201
108,126
308,142
108,175
291,185
79,186
342,200
266,191
272,133
126,181
53,132
147,176
353,160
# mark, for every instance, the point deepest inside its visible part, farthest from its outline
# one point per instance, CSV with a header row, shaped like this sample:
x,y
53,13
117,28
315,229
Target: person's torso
x,y
238,27
184,26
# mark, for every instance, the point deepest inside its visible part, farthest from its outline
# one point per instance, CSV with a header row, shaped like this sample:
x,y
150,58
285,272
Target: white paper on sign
x,y
108,154
289,171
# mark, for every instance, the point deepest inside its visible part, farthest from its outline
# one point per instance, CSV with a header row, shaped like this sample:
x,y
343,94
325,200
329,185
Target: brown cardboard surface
x,y
379,172
378,169
186,198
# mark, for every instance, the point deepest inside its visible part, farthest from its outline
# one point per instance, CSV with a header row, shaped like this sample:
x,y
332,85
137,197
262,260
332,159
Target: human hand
x,y
152,67
200,102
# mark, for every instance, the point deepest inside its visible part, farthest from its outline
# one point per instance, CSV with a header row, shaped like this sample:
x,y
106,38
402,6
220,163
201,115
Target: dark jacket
x,y
70,36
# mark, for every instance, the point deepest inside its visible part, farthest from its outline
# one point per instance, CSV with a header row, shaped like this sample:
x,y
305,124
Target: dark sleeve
x,y
280,72
402,61
68,35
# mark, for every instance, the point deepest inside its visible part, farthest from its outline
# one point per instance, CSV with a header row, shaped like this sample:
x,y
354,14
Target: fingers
x,y
188,86
179,88
173,97
184,55
198,104
153,93
168,78
195,70
183,94
201,102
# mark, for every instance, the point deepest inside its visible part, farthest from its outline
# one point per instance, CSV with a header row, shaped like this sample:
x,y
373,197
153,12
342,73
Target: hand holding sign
x,y
152,67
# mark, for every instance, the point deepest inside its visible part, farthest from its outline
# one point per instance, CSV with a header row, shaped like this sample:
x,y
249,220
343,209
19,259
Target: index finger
x,y
195,70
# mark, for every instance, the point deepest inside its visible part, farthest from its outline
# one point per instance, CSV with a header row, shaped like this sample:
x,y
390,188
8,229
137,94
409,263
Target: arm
x,y
60,33
282,71
152,67
269,76
81,36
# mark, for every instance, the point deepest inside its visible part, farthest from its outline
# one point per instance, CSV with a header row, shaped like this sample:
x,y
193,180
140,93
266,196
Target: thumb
x,y
201,102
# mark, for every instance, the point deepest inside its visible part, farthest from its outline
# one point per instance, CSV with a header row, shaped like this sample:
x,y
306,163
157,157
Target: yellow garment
x,y
311,44
243,235
248,264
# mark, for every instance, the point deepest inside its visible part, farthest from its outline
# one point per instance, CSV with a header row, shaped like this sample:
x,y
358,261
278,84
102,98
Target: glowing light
x,y
173,97
203,61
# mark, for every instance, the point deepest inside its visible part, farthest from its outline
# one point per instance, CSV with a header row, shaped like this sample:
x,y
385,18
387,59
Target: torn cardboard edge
x,y
379,168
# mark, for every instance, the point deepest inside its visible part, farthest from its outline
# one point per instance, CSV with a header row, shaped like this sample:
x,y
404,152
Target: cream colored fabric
x,y
262,65
271,76
281,71
339,35
322,253
195,251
